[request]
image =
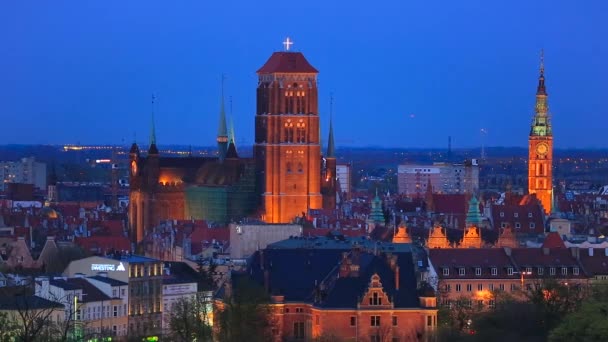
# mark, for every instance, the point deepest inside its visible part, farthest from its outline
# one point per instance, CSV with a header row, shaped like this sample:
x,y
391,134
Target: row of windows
x,y
502,214
490,287
531,225
511,271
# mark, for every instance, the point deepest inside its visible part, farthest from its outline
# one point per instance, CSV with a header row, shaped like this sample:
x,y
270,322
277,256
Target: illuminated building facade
x,y
287,147
540,147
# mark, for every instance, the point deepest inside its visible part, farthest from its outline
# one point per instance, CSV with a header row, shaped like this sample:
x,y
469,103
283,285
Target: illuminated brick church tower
x,y
287,148
540,158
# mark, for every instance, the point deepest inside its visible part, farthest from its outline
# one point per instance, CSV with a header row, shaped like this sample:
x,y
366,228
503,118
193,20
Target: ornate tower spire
x,y
331,153
222,132
540,153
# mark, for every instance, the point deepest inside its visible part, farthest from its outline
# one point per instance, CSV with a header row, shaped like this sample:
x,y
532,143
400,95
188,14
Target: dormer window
x,y
575,270
540,271
494,271
517,225
502,214
552,271
530,215
528,270
461,271
477,271
510,270
446,271
516,215
532,225
564,270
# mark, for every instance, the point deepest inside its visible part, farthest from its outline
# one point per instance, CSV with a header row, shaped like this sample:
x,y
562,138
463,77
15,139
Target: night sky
x,y
404,73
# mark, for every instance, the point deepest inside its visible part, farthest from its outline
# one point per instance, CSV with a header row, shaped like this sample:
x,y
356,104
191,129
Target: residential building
x,y
245,239
144,277
343,171
444,178
26,170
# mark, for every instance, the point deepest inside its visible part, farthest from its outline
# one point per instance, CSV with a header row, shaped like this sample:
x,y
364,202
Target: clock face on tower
x,y
542,149
134,168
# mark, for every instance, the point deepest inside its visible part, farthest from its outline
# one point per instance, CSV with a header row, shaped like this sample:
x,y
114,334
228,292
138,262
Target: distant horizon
x,y
443,148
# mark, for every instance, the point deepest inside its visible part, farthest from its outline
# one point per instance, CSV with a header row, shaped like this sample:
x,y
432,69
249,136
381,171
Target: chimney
x,y
590,251
545,251
575,252
508,251
397,278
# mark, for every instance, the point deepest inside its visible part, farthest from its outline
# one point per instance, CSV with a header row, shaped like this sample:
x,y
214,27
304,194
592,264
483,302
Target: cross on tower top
x,y
287,43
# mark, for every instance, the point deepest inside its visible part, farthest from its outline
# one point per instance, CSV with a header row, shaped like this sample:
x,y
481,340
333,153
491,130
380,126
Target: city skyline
x,y
94,84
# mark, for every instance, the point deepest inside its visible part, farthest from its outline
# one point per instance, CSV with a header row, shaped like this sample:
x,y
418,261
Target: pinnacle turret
x,y
222,131
331,149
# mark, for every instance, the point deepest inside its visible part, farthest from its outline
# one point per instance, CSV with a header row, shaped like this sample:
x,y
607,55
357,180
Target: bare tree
x,y
190,318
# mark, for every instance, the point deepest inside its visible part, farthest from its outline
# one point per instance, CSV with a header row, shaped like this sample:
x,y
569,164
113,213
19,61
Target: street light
x,y
522,277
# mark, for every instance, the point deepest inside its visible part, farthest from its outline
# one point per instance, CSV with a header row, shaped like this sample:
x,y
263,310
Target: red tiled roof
x,y
544,257
287,62
553,240
513,214
470,259
597,263
103,244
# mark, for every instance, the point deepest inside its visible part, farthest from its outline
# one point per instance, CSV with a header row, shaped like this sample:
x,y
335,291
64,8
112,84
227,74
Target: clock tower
x,y
540,145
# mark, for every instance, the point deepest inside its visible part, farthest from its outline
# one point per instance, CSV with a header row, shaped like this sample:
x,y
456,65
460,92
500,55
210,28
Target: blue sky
x,y
403,73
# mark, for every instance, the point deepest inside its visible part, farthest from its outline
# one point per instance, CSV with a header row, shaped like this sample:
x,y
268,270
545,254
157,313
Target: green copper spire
x,y
541,124
331,153
222,132
376,213
474,217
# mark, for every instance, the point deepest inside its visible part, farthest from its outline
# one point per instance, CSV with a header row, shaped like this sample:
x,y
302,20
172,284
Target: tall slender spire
x,y
153,149
222,132
153,127
540,90
331,153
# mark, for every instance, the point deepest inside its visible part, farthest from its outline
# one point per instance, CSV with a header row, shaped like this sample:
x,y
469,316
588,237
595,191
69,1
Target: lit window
x,y
529,270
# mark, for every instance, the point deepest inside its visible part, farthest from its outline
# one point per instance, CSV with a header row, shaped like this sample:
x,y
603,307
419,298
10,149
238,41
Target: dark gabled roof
x,y
298,273
89,291
67,286
595,264
180,273
110,281
287,62
26,303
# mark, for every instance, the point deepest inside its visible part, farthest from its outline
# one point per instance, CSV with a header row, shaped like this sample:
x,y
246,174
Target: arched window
x,y
300,167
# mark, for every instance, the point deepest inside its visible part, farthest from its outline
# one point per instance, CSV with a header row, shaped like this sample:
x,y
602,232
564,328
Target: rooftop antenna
x,y
483,133
449,148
